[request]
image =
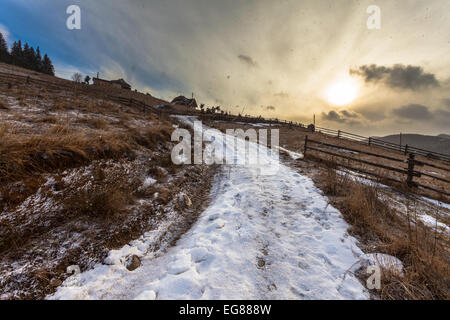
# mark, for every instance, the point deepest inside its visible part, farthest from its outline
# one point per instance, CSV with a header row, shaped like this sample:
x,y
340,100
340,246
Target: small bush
x,y
98,200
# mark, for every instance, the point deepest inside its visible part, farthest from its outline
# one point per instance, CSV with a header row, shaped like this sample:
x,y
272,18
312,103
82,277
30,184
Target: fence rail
x,y
410,172
405,149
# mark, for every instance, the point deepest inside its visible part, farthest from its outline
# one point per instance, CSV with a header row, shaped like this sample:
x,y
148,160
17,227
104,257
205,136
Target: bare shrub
x,y
99,200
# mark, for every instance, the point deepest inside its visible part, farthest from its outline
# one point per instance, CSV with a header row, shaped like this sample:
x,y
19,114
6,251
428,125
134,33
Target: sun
x,y
342,92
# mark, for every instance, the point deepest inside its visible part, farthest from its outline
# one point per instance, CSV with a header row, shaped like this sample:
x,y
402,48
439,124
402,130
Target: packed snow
x,y
268,233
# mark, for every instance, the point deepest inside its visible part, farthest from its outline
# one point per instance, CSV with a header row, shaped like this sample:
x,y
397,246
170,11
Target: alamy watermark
x,y
235,147
374,20
374,280
73,22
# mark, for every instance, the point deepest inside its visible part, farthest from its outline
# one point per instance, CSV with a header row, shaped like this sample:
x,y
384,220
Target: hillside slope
x,y
81,175
440,144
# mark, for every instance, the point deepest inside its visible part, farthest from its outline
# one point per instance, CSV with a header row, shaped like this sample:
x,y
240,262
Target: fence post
x,y
411,162
406,149
306,146
370,141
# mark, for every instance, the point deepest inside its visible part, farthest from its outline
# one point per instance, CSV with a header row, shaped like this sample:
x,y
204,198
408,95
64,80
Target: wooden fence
x,y
410,172
405,149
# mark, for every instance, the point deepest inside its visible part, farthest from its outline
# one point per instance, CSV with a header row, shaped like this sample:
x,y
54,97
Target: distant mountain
x,y
440,143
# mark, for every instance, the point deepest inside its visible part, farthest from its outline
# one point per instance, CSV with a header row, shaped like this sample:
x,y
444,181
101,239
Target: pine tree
x,y
4,53
16,53
47,66
27,57
32,59
38,60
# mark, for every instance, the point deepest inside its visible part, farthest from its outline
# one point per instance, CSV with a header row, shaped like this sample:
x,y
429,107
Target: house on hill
x,y
120,83
183,101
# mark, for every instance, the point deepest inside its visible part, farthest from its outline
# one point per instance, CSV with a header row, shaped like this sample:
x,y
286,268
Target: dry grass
x,y
423,251
94,123
62,146
3,106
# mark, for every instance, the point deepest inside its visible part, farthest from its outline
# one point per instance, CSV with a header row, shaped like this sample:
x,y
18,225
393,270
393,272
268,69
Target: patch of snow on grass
x,y
292,154
432,222
436,203
384,261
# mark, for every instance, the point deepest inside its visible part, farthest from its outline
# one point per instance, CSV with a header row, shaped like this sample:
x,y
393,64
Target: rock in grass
x,y
133,262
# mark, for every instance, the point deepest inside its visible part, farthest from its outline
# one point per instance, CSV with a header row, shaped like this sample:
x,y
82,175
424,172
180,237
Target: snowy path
x,y
262,237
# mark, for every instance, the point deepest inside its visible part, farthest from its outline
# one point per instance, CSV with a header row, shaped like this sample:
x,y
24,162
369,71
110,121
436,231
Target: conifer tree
x,y
26,57
38,60
16,53
4,53
47,66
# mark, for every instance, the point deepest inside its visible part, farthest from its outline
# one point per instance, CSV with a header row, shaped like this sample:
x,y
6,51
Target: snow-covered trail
x,y
262,237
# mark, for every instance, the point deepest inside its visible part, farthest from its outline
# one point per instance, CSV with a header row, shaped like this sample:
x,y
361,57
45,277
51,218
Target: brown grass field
x,y
81,175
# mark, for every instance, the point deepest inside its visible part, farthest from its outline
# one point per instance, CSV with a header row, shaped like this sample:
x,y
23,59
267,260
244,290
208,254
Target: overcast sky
x,y
274,58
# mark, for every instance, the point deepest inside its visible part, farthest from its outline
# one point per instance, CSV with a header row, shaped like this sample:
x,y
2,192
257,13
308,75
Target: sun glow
x,y
342,92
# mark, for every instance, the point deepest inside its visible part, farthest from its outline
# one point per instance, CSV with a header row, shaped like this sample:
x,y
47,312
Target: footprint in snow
x,y
214,216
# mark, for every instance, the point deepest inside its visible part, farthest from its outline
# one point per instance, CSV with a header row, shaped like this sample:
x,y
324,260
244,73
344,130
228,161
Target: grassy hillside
x,y
81,175
439,143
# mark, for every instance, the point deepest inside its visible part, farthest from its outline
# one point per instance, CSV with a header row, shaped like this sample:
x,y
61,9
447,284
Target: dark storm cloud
x,y
372,115
247,60
413,112
397,77
341,116
332,116
348,114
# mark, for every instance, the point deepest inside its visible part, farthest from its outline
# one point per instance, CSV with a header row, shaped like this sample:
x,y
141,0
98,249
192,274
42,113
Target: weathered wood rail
x,y
410,172
370,141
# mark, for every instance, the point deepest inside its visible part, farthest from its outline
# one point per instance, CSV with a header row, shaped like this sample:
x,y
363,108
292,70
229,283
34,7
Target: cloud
x,y
332,116
342,116
397,77
247,60
413,112
5,32
249,53
349,114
